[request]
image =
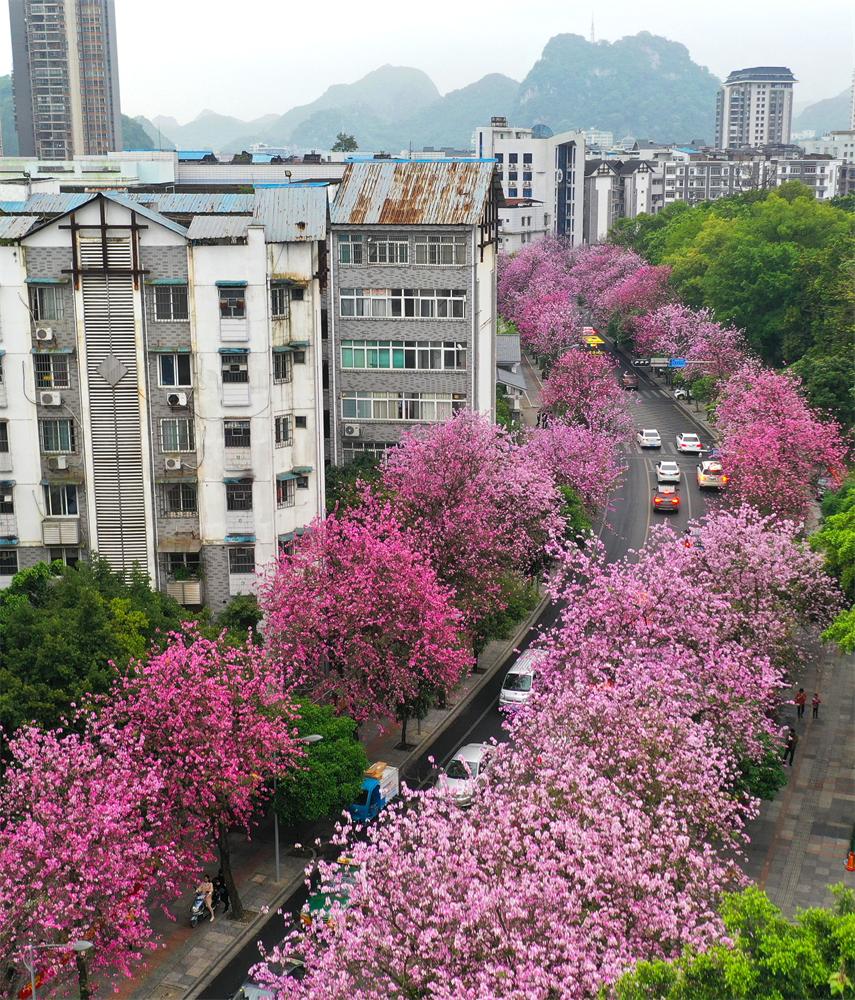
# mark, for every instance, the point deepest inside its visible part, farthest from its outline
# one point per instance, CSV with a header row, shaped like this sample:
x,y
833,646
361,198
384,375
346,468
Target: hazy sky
x,y
252,57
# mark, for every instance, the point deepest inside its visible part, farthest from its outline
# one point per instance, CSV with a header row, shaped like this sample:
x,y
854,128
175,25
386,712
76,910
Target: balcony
x,y
61,531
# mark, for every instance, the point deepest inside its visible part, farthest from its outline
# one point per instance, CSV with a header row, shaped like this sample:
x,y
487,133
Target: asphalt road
x,y
624,529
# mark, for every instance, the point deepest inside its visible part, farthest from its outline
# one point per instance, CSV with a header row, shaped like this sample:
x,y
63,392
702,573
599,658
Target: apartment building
x,y
412,311
66,77
838,145
160,393
536,165
615,189
754,107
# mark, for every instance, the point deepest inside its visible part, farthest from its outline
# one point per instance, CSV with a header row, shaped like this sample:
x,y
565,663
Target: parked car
x,y
629,380
690,443
683,393
379,787
666,500
668,472
463,771
711,476
519,680
649,438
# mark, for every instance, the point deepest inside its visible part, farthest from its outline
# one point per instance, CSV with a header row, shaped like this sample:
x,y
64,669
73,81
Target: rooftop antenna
x,y
593,37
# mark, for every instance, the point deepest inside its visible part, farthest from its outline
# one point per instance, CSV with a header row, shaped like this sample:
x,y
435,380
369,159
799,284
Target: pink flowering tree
x,y
80,855
549,323
772,444
576,456
638,292
362,620
583,389
217,722
676,330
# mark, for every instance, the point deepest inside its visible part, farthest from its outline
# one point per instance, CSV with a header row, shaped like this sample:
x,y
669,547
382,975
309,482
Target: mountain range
x,y
825,116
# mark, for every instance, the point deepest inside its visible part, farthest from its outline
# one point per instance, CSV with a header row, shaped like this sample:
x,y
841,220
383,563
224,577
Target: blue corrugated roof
x,y
12,207
47,204
194,154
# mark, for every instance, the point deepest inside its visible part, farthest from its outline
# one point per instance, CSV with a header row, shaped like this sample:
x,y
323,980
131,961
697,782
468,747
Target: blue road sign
x,y
677,363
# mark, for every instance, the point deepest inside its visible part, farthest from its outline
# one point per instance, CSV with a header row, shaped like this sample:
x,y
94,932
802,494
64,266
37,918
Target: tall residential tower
x,y
754,107
66,77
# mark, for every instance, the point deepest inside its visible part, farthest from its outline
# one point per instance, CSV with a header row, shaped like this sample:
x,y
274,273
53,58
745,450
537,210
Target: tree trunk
x,y
236,906
82,975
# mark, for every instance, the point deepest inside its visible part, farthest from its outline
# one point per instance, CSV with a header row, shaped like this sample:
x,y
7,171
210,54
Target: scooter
x,y
198,910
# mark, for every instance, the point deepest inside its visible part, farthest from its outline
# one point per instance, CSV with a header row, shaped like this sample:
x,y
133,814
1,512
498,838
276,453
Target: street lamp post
x,y
79,947
312,738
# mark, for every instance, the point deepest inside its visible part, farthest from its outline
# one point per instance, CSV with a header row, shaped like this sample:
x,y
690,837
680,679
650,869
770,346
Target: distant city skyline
x,y
259,57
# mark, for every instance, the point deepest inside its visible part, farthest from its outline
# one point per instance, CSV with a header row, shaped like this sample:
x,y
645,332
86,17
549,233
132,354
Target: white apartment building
x,y
537,166
160,396
838,145
754,107
616,189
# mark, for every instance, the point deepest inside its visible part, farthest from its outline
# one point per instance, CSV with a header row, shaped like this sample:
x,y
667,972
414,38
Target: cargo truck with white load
x,y
379,786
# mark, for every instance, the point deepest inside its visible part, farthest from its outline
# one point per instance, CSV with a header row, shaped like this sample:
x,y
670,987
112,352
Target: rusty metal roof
x,y
413,193
293,213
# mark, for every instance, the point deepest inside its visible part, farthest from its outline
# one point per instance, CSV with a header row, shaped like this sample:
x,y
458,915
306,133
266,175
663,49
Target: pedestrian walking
x,y
801,701
790,747
815,702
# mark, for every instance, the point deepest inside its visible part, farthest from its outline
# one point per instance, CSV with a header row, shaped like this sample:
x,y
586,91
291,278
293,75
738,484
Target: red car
x,y
666,500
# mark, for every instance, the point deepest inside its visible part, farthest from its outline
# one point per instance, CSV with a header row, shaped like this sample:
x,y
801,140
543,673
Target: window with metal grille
x,y
235,368
233,303
7,500
45,302
242,559
284,492
239,495
51,371
183,563
8,562
279,301
57,436
179,499
177,434
282,366
170,303
174,370
282,430
236,433
61,500
4,436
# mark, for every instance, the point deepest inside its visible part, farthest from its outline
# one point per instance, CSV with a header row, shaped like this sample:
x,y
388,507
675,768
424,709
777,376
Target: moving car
x,y
689,443
711,476
629,380
519,680
667,472
666,500
463,770
379,787
649,438
320,904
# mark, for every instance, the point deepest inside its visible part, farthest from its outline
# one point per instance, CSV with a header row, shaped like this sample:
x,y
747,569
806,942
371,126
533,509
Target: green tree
x,y
330,776
344,483
345,143
61,626
836,540
241,614
573,511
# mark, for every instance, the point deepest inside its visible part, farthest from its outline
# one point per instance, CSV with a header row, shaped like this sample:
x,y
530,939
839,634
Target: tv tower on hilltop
x,y
593,38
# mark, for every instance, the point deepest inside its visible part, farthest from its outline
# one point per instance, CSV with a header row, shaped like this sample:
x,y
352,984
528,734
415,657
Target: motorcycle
x,y
198,910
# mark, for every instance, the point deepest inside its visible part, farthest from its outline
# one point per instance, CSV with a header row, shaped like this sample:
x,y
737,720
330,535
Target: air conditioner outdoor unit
x,y
50,398
173,464
177,399
44,333
352,430
58,462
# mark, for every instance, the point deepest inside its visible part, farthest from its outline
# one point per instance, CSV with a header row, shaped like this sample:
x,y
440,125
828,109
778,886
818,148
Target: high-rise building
x,y
754,107
65,77
852,104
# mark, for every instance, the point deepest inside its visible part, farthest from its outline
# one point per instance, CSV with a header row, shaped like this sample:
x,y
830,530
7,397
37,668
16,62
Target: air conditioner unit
x,y
58,462
173,464
50,399
352,430
44,333
177,399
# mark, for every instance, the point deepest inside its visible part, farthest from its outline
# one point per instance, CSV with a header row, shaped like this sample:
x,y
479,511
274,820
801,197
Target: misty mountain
x,y
825,116
209,130
461,111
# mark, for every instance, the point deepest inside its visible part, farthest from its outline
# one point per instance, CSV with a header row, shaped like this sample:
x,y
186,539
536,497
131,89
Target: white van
x,y
519,680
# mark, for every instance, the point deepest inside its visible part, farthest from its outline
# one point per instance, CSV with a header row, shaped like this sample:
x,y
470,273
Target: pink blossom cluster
x,y
579,457
607,828
582,388
675,330
612,281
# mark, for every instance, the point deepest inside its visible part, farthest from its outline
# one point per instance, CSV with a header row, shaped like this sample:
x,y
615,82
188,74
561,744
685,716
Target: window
x,y
526,192
183,564
4,436
174,370
179,499
71,557
235,368
7,500
233,303
239,495
236,433
282,430
242,559
526,175
432,355
8,562
418,303
356,449
512,192
279,301
282,363
299,357
301,423
382,251
60,501
526,157
429,407
45,302
513,157
284,492
51,371
500,157
302,482
57,436
439,250
349,249
298,294
512,175
176,434
170,303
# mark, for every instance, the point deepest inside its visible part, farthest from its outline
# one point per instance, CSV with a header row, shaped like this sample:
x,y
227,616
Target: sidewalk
x,y
799,843
188,957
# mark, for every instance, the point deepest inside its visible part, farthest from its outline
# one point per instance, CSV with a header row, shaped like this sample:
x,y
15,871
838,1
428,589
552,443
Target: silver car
x,y
667,472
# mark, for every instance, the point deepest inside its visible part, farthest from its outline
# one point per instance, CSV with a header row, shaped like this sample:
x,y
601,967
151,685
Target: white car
x,y
648,438
711,476
519,680
464,769
690,443
667,472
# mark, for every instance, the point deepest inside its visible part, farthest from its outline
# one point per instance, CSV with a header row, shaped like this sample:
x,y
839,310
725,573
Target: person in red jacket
x,y
801,701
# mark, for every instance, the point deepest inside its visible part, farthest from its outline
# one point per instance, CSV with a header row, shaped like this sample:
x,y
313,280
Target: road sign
x,y
658,361
677,363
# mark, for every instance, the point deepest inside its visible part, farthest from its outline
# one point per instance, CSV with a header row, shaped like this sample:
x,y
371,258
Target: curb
x,y
254,928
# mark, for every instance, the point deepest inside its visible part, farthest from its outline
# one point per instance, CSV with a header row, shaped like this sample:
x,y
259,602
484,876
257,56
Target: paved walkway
x,y
531,401
799,843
